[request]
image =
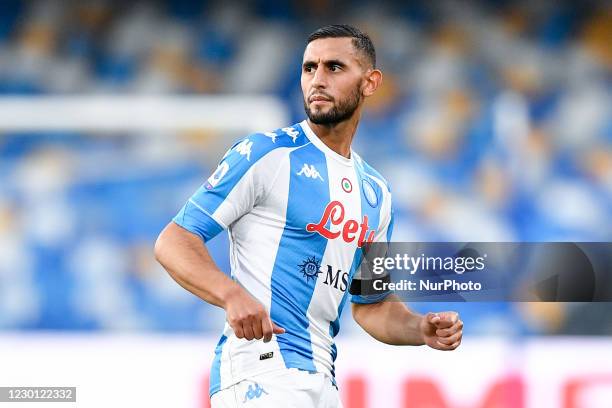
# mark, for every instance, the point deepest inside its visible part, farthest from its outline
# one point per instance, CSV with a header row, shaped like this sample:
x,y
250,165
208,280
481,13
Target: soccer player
x,y
300,206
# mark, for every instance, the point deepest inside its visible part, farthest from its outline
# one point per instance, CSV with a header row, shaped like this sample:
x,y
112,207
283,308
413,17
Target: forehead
x,y
331,49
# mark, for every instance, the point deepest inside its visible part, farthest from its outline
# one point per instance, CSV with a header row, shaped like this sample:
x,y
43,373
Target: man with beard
x,y
300,206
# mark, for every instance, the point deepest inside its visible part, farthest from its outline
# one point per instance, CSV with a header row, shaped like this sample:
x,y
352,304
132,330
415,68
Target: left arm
x,y
391,322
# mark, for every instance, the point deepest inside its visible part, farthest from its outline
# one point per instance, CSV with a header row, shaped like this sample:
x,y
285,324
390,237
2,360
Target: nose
x,y
319,79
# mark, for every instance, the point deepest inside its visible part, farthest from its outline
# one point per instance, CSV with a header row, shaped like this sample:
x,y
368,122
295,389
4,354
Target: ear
x,y
372,80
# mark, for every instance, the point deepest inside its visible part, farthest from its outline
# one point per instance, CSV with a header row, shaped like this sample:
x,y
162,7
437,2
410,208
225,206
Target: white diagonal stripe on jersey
x,y
339,255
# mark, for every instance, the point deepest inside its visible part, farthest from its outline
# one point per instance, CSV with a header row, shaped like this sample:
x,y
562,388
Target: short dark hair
x,y
361,41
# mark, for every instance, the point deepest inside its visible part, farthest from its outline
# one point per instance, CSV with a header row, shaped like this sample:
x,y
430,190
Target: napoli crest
x,y
369,193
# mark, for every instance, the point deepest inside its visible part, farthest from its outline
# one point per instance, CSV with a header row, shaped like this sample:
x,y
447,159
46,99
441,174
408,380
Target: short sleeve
x,y
229,193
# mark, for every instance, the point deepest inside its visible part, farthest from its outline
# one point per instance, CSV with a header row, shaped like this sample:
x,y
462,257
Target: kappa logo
x,y
309,170
271,135
291,132
244,148
253,393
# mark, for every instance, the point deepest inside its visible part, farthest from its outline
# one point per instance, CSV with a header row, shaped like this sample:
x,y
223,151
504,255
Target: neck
x,y
337,136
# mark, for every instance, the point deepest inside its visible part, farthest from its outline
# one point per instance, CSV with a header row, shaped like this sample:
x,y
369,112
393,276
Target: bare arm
x,y
391,322
188,262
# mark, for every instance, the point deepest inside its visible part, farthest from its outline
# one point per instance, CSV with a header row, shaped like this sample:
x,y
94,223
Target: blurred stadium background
x,y
494,123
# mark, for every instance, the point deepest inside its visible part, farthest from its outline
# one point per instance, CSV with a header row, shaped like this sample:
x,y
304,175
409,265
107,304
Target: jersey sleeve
x,y
230,192
361,285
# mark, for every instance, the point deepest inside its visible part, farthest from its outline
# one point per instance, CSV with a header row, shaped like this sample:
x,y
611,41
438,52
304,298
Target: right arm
x,y
229,193
185,257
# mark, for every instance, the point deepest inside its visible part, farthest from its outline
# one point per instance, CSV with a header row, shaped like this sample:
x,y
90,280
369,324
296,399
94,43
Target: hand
x,y
248,317
442,331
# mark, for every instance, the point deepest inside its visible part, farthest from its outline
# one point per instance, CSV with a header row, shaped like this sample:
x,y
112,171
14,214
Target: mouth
x,y
319,98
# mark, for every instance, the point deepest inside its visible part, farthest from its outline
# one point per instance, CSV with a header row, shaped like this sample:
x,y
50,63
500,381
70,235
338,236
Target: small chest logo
x,y
347,186
308,170
369,193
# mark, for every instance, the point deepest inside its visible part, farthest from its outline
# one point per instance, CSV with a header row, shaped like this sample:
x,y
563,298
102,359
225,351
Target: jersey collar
x,y
323,147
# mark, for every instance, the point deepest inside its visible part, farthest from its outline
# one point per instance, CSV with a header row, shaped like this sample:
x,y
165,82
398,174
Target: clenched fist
x,y
442,331
248,317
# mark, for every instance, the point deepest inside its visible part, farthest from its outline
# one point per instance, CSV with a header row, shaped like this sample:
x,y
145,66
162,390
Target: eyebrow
x,y
309,63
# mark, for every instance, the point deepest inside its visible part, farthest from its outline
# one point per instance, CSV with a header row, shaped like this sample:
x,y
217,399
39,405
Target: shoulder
x,y
256,146
257,155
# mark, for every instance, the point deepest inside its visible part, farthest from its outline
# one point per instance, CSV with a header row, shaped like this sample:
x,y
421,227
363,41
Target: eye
x,y
308,68
334,67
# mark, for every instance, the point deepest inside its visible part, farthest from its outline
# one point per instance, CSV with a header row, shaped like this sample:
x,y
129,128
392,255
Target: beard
x,y
339,112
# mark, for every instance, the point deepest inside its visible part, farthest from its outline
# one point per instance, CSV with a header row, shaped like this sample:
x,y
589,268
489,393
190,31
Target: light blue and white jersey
x,y
298,215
